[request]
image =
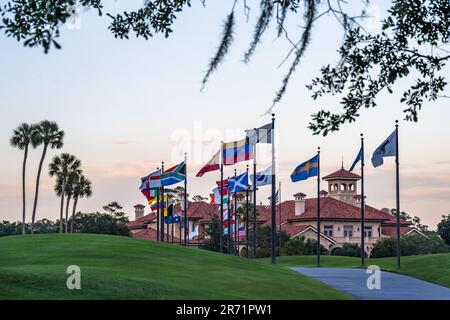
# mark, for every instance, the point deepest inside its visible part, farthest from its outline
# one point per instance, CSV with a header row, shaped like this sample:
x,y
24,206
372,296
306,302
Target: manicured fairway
x,y
34,267
434,268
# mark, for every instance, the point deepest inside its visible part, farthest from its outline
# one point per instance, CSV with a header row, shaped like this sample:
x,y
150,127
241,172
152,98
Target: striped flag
x,y
236,151
212,165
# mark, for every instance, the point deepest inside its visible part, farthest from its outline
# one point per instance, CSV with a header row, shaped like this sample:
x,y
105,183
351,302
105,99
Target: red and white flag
x,y
212,165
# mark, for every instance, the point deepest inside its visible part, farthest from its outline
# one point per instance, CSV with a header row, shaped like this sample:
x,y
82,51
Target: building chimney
x,y
181,200
299,203
138,211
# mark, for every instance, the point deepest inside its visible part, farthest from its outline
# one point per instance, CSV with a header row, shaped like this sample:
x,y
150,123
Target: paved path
x,y
393,286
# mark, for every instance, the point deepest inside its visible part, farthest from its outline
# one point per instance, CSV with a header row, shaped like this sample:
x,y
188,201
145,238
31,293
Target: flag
x,y
212,165
277,199
152,181
194,233
223,183
260,135
387,149
216,196
263,178
242,232
239,183
150,194
174,175
237,151
358,159
306,170
155,205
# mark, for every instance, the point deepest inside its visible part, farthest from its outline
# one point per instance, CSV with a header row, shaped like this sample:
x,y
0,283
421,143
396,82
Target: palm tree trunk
x,y
61,213
23,188
67,213
36,194
73,213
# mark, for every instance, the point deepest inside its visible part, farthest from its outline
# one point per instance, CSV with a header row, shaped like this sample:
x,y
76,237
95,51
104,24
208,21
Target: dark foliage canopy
x,y
413,44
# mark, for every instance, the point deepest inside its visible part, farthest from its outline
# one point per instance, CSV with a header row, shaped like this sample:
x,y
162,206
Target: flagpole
x,y
279,209
274,218
254,200
397,165
185,197
229,221
236,245
318,207
162,200
363,205
172,226
221,197
247,217
157,213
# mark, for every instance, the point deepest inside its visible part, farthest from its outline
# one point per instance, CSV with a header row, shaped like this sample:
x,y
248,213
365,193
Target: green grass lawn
x,y
34,267
434,267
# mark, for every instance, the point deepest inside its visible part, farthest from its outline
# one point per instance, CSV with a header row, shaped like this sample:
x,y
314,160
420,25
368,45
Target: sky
x,y
127,105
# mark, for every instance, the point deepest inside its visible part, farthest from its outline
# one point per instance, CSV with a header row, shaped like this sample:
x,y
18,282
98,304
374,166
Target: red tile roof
x,y
330,208
152,234
140,223
392,231
342,174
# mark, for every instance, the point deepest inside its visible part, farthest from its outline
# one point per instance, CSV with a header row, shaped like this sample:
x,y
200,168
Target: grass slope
x,y
34,267
434,267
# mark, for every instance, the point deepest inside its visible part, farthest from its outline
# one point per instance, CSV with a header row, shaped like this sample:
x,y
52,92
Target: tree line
x,y
65,168
111,221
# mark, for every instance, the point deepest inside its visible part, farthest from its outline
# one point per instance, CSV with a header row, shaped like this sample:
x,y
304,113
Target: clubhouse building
x,y
340,213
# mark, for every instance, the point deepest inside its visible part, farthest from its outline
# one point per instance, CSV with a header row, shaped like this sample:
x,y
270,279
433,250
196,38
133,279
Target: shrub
x,y
348,250
299,246
410,245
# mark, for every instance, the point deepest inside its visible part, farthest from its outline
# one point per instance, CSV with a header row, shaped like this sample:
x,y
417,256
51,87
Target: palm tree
x,y
62,167
49,134
82,188
22,137
68,190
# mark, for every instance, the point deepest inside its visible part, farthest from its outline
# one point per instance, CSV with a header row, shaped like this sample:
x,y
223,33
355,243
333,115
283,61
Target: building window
x,y
328,231
368,232
348,231
343,187
351,187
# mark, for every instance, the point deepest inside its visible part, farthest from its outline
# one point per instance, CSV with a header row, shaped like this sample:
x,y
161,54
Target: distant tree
x,y
410,245
64,166
416,221
48,134
112,207
212,233
81,189
113,221
264,241
443,228
24,136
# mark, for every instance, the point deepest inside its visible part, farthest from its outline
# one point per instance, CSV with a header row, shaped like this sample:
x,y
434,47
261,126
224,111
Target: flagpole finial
x,y
273,115
396,123
362,135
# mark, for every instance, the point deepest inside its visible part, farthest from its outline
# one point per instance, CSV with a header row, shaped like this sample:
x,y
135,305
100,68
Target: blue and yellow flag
x,y
306,170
